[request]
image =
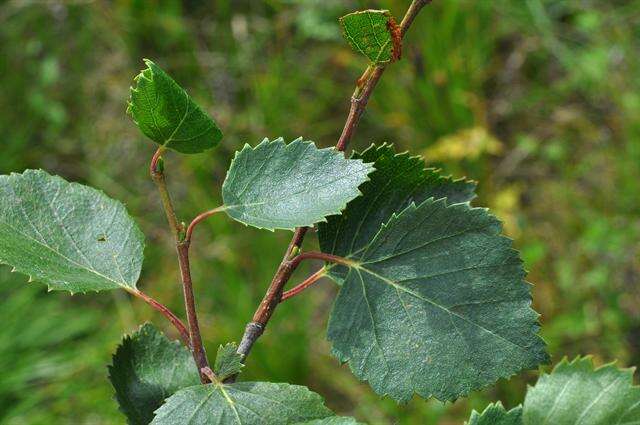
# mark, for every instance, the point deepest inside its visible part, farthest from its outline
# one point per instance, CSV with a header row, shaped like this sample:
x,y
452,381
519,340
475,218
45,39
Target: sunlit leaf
x,y
166,114
577,393
283,186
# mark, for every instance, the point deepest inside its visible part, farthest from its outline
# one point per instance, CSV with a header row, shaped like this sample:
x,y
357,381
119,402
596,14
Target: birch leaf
x,y
495,414
577,393
146,369
398,180
166,114
373,33
242,403
436,305
284,186
228,361
69,236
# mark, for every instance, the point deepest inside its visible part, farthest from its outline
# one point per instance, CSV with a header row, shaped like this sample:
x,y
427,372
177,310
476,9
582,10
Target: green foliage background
x,y
539,100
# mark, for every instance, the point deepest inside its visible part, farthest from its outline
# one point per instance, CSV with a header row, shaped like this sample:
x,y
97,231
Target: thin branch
x,y
314,255
197,348
164,310
364,87
182,247
304,284
198,219
157,174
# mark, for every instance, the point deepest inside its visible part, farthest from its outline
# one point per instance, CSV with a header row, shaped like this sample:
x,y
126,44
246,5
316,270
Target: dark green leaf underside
x,y
576,393
495,414
438,306
368,32
69,236
243,403
148,368
284,186
398,180
166,114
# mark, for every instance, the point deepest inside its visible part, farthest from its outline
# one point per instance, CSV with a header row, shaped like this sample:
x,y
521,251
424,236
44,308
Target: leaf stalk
x,y
164,310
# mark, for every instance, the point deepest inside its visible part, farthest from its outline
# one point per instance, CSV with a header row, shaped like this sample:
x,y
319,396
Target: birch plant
x,y
432,297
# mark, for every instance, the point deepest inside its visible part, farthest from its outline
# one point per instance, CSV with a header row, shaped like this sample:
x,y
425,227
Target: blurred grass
x,y
539,100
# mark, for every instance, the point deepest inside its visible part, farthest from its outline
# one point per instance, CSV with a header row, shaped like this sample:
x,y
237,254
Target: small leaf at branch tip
x,y
374,34
173,120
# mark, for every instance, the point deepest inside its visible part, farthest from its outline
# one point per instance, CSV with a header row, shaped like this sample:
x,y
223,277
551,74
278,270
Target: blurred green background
x,y
538,100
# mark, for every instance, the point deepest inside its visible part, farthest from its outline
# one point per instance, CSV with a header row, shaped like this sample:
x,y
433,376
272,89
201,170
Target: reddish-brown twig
x,y
304,284
164,310
359,101
182,248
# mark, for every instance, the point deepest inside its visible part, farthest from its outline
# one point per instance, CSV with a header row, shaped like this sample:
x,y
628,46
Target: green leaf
x,y
371,32
437,305
166,114
495,414
146,369
333,420
398,180
228,361
242,403
284,186
69,236
577,393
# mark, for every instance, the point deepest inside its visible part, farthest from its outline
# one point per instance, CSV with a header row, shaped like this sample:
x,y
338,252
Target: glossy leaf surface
x,y
166,114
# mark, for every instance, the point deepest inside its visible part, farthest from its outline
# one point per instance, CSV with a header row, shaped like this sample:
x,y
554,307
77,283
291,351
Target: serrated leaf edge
x,y
128,338
352,42
343,359
280,140
51,288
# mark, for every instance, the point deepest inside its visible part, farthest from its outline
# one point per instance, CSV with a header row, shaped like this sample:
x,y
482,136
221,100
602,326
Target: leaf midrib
x,y
428,300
